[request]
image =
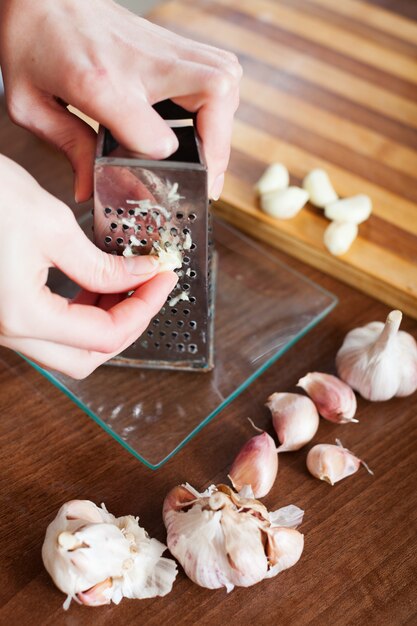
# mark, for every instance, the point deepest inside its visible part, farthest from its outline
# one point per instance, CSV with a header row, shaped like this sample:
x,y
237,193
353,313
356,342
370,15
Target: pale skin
x,y
112,66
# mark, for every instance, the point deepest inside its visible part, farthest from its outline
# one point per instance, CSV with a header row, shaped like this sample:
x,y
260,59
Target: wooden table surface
x,y
360,542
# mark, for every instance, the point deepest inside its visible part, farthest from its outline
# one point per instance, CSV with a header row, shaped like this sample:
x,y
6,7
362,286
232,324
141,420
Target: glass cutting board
x,y
262,308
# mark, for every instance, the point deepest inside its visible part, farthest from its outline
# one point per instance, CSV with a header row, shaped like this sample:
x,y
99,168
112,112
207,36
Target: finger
x,y
137,126
91,328
76,139
99,272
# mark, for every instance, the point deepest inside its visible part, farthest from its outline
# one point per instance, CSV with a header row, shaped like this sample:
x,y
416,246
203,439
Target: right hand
x,y
38,232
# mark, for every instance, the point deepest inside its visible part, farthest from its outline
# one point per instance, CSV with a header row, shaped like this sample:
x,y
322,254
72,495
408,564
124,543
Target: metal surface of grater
x,y
161,207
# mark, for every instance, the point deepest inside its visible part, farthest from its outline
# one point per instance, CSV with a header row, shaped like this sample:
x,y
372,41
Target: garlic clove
x,y
356,209
378,360
97,595
319,188
332,463
221,539
256,465
284,548
275,177
339,236
333,398
284,204
295,420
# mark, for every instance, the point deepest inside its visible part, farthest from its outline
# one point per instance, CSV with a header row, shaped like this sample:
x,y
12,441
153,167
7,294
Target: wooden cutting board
x,y
326,84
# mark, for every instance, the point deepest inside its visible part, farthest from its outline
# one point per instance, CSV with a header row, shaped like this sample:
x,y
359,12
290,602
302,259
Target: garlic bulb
x,y
333,463
96,558
378,360
256,465
295,419
225,539
284,204
333,398
319,188
339,236
275,177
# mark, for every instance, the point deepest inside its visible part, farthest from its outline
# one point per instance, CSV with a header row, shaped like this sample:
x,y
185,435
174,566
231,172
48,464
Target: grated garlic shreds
x,y
181,296
96,558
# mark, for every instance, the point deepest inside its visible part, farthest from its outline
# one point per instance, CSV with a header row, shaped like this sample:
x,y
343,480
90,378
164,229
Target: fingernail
x,y
137,265
217,187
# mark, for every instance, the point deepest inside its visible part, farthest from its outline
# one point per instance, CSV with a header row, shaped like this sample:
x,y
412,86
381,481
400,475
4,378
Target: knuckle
x,y
105,270
17,109
221,84
90,80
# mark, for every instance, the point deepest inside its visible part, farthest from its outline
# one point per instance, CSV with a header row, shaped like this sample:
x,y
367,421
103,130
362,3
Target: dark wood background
x,y
360,541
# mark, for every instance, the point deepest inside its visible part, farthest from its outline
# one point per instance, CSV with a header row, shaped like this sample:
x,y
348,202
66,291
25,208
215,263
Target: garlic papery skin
x,y
379,360
275,177
332,463
284,204
223,539
295,420
339,236
96,558
319,188
356,209
256,465
334,399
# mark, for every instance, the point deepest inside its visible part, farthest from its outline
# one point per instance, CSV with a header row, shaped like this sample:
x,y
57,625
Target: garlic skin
x,y
96,558
284,204
225,539
334,399
379,360
339,236
256,465
356,209
275,177
333,463
319,188
295,420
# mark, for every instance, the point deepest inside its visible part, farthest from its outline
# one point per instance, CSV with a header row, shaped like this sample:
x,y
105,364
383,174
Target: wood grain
x,y
358,566
318,92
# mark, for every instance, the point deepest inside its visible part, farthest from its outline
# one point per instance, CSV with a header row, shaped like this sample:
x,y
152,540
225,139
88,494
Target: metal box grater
x,y
143,207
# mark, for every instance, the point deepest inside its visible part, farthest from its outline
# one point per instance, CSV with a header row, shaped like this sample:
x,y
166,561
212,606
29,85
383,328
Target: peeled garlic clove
x,y
339,236
284,204
224,540
96,558
275,177
378,360
295,419
356,209
319,188
332,463
333,398
256,465
284,548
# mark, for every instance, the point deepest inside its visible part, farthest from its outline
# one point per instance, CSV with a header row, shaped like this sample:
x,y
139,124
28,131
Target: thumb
x,y
76,139
97,271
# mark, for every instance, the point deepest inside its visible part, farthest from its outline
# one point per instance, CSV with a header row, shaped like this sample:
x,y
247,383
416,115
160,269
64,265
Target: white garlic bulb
x,y
295,419
275,177
378,360
333,463
96,558
225,539
319,188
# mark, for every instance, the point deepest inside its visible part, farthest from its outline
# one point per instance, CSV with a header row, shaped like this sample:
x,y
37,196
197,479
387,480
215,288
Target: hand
x,y
38,232
112,65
